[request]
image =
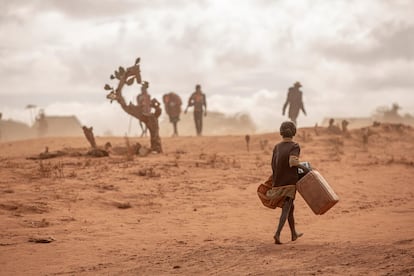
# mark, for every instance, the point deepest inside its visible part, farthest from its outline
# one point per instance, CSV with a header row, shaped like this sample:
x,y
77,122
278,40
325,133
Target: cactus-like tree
x,y
128,76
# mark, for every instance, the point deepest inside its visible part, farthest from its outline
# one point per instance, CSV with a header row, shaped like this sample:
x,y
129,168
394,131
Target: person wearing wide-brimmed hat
x,y
294,100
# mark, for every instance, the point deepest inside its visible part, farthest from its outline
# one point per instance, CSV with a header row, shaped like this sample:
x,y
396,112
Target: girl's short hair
x,y
287,129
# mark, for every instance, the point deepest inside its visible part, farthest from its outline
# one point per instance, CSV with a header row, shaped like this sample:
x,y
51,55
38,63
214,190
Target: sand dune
x,y
194,209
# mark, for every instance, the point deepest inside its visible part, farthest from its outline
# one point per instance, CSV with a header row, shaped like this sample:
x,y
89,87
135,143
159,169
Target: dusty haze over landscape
x,y
350,56
82,194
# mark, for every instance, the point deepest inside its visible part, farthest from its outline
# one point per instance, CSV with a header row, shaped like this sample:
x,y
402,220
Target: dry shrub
x,y
47,169
38,224
213,160
176,158
19,208
149,172
236,164
337,148
217,161
10,164
72,174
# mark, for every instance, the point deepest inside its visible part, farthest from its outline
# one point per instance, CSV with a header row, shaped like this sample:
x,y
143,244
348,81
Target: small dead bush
x,y
47,169
149,172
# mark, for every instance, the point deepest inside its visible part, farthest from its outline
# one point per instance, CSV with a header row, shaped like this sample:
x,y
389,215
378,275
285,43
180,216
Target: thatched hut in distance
x,y
52,126
14,130
59,126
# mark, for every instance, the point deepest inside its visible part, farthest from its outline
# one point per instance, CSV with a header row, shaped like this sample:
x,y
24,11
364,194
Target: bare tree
x,y
127,76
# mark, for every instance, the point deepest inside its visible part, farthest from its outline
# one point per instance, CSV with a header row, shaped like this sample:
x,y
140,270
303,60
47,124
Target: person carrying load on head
x,y
172,104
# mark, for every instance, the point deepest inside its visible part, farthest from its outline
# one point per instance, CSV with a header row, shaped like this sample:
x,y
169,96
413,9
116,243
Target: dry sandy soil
x,y
196,210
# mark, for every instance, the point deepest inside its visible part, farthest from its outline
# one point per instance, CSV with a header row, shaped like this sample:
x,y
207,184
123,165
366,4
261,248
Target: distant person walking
x,y
285,163
198,100
294,100
41,124
172,103
144,99
144,103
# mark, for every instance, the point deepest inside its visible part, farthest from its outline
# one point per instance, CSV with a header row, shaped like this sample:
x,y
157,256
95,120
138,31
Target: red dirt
x,y
197,211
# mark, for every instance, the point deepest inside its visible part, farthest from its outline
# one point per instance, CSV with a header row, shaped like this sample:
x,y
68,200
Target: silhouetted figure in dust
x,y
334,129
294,100
344,124
198,100
144,103
247,139
392,114
41,124
172,103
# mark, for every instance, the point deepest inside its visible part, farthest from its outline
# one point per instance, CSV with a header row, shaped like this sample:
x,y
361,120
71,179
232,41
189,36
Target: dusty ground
x,y
196,211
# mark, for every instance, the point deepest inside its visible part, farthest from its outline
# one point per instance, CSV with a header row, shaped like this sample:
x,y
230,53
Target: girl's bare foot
x,y
277,239
296,236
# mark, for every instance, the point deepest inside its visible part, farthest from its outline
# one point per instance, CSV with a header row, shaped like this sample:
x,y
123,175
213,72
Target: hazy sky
x,y
350,56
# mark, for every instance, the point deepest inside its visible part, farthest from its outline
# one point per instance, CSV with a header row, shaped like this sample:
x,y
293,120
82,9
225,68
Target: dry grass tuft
x,y
149,172
47,169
